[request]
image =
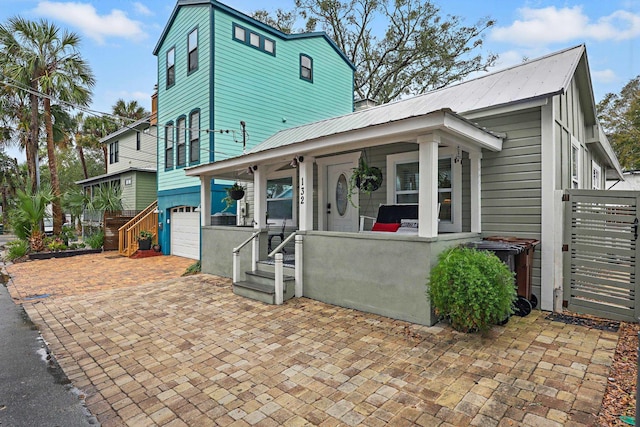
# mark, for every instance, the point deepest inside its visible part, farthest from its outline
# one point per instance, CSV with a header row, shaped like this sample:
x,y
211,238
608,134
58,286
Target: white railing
x,y
254,255
279,267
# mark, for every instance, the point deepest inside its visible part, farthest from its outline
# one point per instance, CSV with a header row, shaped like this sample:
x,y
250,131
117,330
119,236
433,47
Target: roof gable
x,y
274,32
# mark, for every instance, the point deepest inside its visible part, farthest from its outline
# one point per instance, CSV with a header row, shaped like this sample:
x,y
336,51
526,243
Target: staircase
x,y
260,283
128,234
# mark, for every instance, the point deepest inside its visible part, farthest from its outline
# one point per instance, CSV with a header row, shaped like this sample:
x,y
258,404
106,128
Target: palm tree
x,y
130,110
93,129
57,70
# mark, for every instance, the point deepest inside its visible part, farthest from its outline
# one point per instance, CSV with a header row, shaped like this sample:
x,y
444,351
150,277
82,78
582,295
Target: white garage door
x,y
185,232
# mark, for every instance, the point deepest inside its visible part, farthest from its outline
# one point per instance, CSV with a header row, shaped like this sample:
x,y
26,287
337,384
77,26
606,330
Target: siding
x,y
145,185
241,83
189,92
511,181
266,91
569,121
129,157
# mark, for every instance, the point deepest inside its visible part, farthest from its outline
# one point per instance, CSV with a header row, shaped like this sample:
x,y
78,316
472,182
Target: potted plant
x,y
366,178
235,192
144,240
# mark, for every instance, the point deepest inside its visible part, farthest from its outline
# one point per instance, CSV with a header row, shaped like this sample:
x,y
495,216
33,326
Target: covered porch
x,y
300,178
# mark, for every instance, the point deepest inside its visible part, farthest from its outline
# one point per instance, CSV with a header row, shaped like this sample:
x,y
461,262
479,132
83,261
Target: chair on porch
x,y
279,232
391,217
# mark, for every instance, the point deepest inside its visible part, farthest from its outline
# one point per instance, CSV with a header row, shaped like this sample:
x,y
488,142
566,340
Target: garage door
x,y
185,232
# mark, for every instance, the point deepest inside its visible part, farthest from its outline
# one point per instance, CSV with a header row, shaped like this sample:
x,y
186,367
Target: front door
x,y
340,213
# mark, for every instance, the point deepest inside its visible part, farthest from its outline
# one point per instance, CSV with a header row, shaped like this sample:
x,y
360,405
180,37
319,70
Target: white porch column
x,y
476,191
305,193
428,190
205,200
260,197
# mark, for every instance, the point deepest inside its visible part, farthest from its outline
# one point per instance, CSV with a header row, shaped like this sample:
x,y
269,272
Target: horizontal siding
x,y
145,190
129,157
266,91
189,92
511,182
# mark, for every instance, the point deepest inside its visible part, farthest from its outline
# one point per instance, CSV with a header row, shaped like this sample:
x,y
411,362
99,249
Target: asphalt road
x,y
34,392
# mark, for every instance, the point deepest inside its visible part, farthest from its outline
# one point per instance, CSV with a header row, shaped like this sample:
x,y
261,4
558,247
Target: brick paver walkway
x,y
188,352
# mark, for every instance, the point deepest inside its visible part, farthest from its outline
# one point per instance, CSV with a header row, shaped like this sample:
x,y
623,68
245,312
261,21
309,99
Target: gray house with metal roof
x,y
489,156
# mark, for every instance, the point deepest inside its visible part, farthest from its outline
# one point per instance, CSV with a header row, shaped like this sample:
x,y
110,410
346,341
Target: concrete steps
x,y
260,285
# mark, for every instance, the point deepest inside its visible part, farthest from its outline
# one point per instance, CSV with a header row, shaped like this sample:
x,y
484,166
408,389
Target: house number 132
x,y
302,191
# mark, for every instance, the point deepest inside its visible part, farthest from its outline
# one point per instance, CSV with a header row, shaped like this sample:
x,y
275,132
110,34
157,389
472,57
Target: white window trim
x,y
294,203
595,168
575,180
453,226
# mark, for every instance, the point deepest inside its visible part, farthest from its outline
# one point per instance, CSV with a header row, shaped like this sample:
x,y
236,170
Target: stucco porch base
x,y
379,273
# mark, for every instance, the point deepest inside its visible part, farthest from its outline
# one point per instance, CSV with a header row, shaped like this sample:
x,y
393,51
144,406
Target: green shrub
x,y
95,241
16,249
56,244
473,289
192,269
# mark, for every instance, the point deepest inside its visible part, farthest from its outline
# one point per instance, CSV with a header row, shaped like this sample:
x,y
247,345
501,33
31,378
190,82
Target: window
x,y
403,185
253,39
575,163
596,176
114,152
171,68
280,198
181,148
192,45
138,141
306,68
127,181
168,146
194,137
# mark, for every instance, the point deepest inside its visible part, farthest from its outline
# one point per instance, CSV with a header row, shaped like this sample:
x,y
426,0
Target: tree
x,y
130,110
619,115
51,58
11,180
419,50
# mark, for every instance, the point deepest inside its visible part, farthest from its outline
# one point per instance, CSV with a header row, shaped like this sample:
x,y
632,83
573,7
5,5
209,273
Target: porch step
x,y
271,268
260,285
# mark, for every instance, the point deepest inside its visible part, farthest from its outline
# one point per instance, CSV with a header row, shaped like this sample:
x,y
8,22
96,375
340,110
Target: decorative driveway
x,y
148,347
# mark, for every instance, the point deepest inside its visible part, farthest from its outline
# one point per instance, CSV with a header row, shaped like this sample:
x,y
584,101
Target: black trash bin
x,y
508,253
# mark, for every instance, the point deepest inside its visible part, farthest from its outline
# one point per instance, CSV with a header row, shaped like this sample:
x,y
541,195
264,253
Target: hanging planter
x,y
365,178
234,193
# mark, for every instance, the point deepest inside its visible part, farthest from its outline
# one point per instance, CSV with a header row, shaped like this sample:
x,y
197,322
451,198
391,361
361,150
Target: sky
x,y
118,36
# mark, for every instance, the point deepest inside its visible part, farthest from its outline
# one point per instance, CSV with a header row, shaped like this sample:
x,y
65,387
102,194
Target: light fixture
x,y
252,169
458,158
296,160
156,211
197,209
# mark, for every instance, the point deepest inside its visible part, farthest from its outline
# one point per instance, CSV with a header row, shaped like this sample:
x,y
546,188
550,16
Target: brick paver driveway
x,y
188,352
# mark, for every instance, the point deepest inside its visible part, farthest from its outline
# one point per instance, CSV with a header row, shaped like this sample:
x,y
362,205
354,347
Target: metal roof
x,y
535,79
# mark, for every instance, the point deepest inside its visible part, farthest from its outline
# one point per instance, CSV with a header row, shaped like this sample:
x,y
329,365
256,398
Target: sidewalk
x,y
187,351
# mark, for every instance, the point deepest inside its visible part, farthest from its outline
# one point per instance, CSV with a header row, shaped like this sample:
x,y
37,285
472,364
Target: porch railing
x,y
279,262
253,239
279,267
128,234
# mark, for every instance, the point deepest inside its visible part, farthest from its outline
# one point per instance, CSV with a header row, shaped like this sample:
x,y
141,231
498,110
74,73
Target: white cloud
x,y
550,25
85,17
142,9
605,76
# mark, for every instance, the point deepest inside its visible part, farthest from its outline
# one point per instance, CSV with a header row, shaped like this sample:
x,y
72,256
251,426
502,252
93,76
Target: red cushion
x,y
386,226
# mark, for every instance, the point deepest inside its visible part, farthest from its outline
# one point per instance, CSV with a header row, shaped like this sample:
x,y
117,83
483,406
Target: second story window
x,y
113,152
194,137
168,146
181,153
306,68
193,50
138,141
171,67
253,39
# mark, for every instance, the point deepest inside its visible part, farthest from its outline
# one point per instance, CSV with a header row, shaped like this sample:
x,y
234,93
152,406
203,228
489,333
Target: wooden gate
x,y
601,252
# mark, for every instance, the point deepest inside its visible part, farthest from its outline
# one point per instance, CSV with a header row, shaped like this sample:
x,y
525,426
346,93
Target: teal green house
x,y
226,82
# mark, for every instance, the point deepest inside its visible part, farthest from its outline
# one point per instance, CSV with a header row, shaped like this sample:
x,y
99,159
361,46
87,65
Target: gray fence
x,y
601,251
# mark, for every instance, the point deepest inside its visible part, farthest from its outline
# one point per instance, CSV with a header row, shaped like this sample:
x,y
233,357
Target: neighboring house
x,y
131,165
631,182
225,83
489,156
